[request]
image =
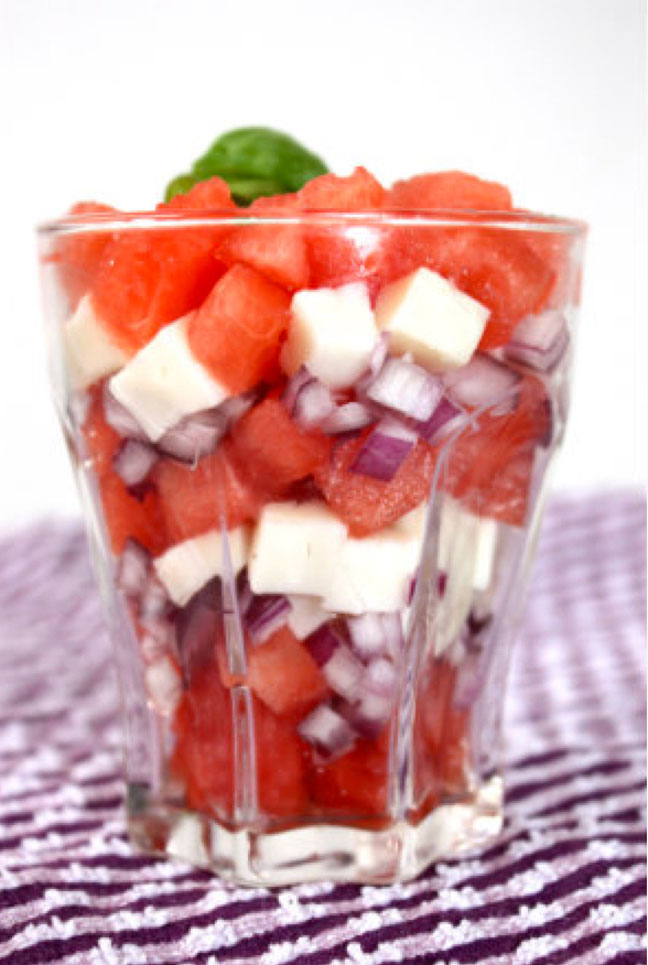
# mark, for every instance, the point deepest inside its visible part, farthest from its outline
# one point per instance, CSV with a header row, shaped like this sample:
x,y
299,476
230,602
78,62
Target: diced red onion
x,y
133,570
236,406
468,683
133,462
119,417
477,623
405,388
157,639
483,382
380,677
243,592
328,732
294,386
164,686
369,715
341,669
445,419
194,436
376,634
154,601
384,451
265,614
197,628
347,418
376,362
539,341
314,403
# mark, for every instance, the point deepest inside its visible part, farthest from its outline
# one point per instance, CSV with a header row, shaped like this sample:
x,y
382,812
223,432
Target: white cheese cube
x,y
426,315
333,332
186,567
466,554
295,549
374,573
164,382
90,353
306,615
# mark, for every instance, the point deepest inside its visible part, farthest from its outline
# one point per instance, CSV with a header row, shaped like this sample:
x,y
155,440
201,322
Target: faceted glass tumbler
x,y
312,542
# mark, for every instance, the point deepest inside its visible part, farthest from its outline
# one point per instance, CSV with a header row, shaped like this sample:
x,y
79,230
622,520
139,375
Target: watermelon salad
x,y
266,399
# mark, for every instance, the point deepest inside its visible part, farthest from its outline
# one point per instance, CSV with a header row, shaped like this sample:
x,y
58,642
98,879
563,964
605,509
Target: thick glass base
x,y
319,851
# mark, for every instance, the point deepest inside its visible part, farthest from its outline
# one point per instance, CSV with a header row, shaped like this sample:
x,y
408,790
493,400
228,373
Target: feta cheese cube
x,y
426,315
163,382
186,567
90,353
295,549
466,554
333,332
306,615
374,573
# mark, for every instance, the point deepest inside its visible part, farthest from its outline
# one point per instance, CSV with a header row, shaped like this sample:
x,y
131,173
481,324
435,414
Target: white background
x,y
108,100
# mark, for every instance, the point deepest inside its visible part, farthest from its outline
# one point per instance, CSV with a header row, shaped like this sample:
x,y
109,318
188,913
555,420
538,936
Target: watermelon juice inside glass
x,y
312,449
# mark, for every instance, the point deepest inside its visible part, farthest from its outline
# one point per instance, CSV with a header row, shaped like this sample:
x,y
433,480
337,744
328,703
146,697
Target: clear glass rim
x,y
113,221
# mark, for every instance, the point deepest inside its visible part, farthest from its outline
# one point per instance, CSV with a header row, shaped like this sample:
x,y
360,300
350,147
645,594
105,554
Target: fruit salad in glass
x,y
312,435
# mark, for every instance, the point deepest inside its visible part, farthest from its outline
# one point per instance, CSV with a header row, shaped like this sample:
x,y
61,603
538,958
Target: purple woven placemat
x,y
566,883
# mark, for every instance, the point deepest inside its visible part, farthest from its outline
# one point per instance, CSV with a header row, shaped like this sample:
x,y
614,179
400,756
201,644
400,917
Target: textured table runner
x,y
566,882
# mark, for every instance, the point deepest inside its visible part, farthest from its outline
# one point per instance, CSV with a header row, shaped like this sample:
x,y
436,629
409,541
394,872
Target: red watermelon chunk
x,y
79,256
193,498
449,190
441,734
273,451
356,783
490,468
149,278
284,676
130,518
204,756
338,255
237,332
366,504
276,251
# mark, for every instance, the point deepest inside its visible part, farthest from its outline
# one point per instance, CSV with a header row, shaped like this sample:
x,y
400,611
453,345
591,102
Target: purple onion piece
x,y
322,644
265,614
405,388
539,341
158,639
477,623
236,406
244,593
380,677
384,451
369,715
313,404
347,418
194,436
483,382
133,570
328,732
196,630
154,600
376,362
118,416
295,384
469,682
133,462
376,635
444,420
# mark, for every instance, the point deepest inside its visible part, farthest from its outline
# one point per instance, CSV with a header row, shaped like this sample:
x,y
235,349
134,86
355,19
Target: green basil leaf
x,y
255,162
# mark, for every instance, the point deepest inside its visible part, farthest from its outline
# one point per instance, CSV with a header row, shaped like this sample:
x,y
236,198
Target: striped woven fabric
x,y
566,882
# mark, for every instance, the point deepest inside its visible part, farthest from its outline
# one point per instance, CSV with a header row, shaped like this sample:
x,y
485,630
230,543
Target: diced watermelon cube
x,y
79,255
338,255
130,518
204,756
192,498
100,439
494,266
366,504
274,451
149,278
441,735
236,333
276,251
490,466
449,190
284,676
356,783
